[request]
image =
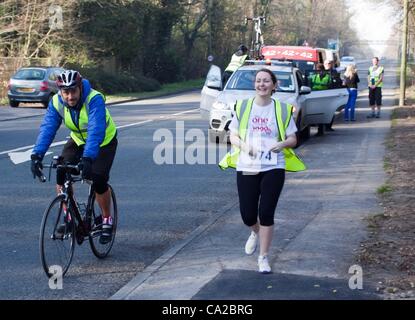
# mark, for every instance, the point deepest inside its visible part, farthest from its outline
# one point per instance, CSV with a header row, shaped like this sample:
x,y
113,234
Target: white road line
x,y
134,124
32,146
184,112
119,127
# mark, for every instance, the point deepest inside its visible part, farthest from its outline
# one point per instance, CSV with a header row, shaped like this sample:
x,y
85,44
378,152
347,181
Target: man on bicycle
x,y
93,140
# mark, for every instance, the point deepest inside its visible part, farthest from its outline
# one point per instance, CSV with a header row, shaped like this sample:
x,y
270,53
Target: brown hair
x,y
272,74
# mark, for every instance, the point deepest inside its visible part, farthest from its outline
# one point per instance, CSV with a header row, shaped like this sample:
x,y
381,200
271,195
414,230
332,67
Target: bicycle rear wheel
x,y
102,250
56,248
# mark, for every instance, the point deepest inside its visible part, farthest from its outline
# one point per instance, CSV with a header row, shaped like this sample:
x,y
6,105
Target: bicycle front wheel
x,y
102,250
57,238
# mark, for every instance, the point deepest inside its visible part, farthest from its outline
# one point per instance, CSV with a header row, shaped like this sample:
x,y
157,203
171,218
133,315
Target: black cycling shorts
x,y
375,96
101,167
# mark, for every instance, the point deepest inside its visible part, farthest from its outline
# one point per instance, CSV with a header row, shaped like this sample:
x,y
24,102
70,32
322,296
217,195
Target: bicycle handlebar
x,y
65,167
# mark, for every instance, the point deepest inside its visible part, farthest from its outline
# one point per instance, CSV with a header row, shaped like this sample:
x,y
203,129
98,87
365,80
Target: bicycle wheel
x,y
56,248
102,250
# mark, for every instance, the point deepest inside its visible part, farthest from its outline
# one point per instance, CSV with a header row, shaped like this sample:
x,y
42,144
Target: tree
x,y
29,28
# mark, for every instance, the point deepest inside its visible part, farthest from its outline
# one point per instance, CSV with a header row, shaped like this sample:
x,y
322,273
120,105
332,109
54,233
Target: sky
x,y
374,21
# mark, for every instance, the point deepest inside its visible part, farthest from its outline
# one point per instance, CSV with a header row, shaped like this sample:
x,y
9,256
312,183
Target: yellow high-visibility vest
x,y
236,62
283,113
79,133
375,75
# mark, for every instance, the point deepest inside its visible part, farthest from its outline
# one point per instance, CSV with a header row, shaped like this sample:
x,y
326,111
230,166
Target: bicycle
x,y
66,221
259,39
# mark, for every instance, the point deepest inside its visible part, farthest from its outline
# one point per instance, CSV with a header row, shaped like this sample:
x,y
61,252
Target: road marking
x,y
134,124
184,112
19,157
31,147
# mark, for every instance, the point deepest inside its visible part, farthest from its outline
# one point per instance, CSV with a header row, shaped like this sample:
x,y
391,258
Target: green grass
x,y
410,94
165,89
384,189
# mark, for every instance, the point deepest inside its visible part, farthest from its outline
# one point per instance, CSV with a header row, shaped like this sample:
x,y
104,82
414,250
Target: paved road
x,y
320,223
158,205
164,207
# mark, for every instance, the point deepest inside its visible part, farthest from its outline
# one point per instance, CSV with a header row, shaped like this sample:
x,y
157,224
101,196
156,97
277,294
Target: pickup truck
x,y
311,107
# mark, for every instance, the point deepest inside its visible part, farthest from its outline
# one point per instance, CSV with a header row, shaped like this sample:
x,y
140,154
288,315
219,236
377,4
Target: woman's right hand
x,y
250,149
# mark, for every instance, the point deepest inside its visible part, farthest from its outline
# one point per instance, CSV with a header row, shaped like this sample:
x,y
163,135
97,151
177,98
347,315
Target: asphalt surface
x,y
180,235
319,224
158,204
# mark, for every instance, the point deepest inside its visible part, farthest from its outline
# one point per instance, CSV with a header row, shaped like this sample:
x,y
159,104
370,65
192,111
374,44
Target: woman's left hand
x,y
277,147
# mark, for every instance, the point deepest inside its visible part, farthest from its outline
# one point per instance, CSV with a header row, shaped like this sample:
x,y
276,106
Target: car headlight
x,y
220,105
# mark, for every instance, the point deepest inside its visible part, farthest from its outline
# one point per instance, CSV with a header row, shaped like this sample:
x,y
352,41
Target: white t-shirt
x,y
262,133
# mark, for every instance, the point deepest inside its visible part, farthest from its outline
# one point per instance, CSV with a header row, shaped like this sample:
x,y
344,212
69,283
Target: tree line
x,y
164,40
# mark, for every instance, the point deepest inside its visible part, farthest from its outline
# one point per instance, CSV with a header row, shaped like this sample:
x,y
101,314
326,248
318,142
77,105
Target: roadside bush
x,y
109,83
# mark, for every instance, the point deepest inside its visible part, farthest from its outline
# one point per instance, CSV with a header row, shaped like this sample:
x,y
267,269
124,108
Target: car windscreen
x,y
304,66
30,74
244,80
347,59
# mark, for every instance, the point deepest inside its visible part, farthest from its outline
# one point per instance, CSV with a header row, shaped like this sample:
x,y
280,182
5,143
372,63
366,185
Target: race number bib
x,y
260,160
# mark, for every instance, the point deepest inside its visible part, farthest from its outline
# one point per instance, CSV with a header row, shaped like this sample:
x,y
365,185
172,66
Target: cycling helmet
x,y
69,79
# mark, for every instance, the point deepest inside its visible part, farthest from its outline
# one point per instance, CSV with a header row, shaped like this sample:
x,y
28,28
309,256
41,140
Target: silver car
x,y
346,60
33,84
311,107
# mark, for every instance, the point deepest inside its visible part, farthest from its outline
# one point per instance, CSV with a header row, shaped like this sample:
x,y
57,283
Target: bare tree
x,y
28,27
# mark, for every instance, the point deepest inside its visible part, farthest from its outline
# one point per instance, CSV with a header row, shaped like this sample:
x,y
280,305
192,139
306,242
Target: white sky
x,y
374,22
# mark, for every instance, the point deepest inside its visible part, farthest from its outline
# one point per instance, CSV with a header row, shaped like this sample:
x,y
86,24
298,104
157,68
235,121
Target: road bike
x,y
258,42
66,221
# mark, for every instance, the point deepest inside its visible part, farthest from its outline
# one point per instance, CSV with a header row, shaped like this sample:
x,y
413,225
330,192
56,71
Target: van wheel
x,y
302,135
213,138
13,104
305,133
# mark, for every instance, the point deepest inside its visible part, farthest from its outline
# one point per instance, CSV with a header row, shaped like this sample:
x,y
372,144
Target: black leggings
x,y
258,195
101,167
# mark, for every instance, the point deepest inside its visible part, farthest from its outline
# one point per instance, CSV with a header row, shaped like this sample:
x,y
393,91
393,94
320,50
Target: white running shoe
x,y
251,243
263,265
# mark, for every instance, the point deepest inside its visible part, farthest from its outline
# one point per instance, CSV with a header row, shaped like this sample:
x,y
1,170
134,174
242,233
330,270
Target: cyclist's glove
x,y
36,165
86,167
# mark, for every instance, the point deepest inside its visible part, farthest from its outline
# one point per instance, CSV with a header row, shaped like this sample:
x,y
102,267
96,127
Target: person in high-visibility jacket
x,y
238,59
375,83
92,141
321,79
262,133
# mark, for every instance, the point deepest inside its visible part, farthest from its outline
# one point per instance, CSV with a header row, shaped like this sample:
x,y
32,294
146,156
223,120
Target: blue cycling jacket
x,y
96,124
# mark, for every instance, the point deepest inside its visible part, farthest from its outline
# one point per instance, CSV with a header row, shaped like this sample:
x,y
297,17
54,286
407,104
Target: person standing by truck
x,y
238,60
375,83
351,79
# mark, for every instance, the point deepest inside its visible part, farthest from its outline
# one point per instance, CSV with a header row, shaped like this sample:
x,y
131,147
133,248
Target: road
x,y
319,225
159,205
